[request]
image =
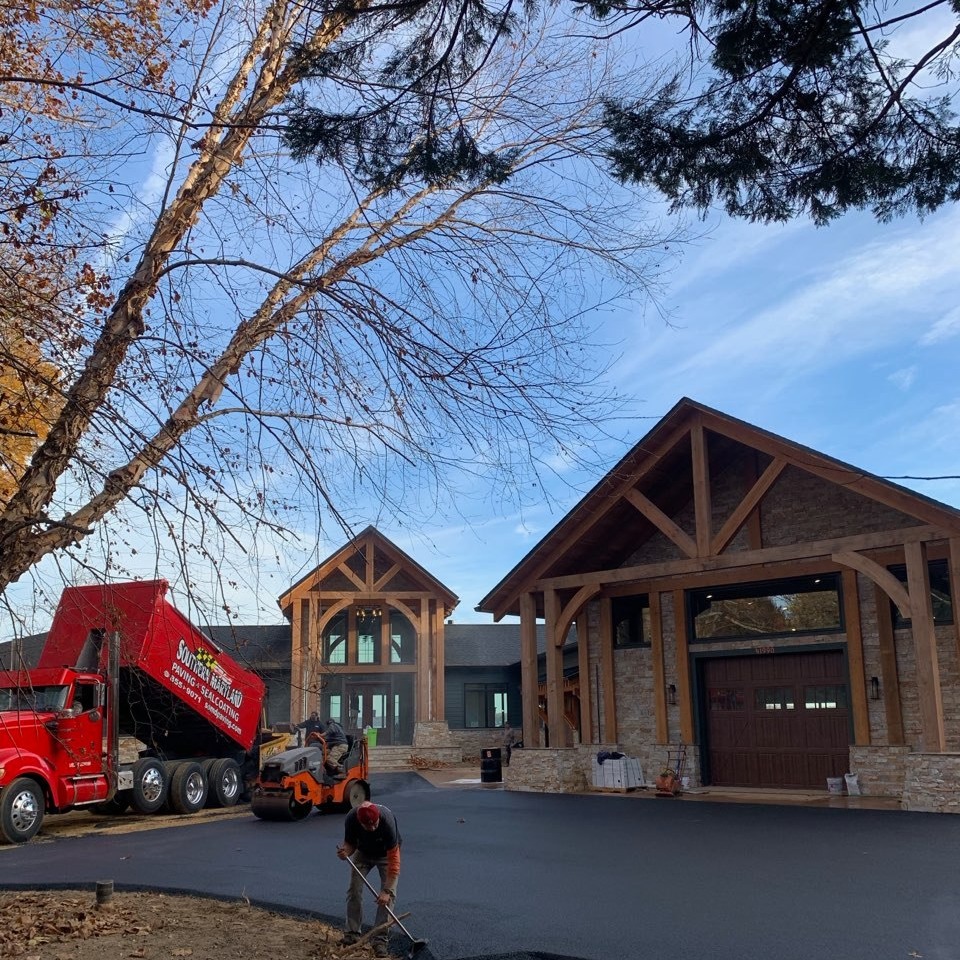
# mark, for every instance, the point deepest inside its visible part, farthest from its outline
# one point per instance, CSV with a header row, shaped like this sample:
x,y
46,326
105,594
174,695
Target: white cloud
x,y
820,309
903,379
947,327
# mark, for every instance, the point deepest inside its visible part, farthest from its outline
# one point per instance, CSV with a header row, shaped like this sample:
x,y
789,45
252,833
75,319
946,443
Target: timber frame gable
x,y
686,507
369,580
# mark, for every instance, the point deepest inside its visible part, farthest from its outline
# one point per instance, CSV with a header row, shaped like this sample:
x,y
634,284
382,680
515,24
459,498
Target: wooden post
x,y
297,696
423,660
528,670
701,488
889,674
583,667
684,686
439,664
858,682
925,644
554,654
954,564
659,669
608,682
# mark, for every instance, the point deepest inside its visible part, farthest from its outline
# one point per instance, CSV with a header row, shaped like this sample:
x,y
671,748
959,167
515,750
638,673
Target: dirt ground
x,y
68,925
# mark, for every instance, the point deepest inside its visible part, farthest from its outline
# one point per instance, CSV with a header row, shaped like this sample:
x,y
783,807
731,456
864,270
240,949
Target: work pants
x,y
358,889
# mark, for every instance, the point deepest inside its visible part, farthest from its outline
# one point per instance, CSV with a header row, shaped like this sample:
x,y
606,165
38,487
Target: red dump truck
x,y
121,662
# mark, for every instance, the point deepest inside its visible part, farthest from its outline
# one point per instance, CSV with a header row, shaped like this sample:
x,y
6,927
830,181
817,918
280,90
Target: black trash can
x,y
491,766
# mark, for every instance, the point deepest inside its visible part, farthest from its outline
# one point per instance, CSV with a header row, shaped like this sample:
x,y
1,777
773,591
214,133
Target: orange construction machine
x,y
293,782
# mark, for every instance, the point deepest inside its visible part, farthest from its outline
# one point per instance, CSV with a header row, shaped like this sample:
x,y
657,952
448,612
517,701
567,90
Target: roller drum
x,y
279,806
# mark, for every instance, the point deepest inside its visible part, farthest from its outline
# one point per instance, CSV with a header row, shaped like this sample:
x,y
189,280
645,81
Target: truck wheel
x,y
356,793
21,810
223,777
188,788
149,785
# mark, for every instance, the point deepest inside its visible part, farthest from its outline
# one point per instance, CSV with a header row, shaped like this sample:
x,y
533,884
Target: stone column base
x,y
546,770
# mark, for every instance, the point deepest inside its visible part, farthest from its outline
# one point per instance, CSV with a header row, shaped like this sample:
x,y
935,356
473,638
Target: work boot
x,y
381,948
350,937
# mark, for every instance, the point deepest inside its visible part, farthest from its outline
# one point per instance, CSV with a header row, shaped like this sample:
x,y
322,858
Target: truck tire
x,y
225,783
150,785
21,810
188,788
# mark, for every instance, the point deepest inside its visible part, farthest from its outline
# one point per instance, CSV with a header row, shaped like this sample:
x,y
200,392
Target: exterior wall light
x,y
672,693
874,688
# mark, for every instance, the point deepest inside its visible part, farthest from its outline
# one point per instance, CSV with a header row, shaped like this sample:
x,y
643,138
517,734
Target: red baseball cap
x,y
368,814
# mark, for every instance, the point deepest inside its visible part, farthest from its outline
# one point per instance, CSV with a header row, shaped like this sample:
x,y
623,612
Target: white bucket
x,y
853,784
834,784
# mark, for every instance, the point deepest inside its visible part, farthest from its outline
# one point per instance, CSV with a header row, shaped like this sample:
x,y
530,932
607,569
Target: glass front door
x,y
369,706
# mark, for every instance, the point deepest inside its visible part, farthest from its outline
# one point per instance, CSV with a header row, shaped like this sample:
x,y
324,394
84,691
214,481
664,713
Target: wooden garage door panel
x,y
777,720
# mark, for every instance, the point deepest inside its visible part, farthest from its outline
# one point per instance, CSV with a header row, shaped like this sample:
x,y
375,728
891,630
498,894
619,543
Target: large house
x,y
779,615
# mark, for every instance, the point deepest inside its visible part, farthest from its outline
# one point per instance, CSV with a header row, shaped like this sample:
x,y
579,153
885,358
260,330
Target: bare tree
x,y
267,331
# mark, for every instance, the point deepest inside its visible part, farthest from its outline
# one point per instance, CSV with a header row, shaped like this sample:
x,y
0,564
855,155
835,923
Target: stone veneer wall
x,y
547,770
471,742
432,740
880,770
932,783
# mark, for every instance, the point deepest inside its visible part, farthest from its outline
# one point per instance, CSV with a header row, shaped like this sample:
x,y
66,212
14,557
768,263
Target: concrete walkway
x,y
467,777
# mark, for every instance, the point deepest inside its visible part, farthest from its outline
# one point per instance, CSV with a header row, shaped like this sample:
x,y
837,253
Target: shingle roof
x,y
22,653
488,644
255,645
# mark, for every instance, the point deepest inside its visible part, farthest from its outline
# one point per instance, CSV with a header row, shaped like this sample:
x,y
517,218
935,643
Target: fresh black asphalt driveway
x,y
491,873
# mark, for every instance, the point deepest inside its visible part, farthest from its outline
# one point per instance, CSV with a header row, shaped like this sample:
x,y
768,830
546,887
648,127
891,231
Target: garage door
x,y
778,720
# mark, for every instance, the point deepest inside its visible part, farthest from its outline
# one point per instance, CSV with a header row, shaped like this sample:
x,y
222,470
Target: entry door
x,y
777,720
370,705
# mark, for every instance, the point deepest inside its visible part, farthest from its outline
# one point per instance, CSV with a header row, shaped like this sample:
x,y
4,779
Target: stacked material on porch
x,y
617,773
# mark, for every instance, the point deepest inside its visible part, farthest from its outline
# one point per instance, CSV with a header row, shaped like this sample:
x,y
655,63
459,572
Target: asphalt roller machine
x,y
293,782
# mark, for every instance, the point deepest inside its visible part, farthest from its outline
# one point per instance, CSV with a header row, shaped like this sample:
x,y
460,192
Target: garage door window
x,y
726,698
831,697
774,698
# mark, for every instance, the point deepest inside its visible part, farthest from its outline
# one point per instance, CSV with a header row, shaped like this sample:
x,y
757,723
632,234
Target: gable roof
x,y
371,563
638,496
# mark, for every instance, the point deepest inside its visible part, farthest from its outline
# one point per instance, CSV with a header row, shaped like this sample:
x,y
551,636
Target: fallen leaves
x,y
68,925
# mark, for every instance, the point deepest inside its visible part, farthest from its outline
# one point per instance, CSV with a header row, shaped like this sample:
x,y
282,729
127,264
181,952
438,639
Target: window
x,y
825,697
799,605
939,592
403,639
631,621
335,640
774,698
484,705
725,699
368,634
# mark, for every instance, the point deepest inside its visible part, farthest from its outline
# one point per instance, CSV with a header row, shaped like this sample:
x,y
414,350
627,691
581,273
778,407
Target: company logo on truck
x,y
204,664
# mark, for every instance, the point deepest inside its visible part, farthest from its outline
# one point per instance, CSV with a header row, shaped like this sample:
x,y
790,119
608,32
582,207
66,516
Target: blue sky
x,y
845,339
